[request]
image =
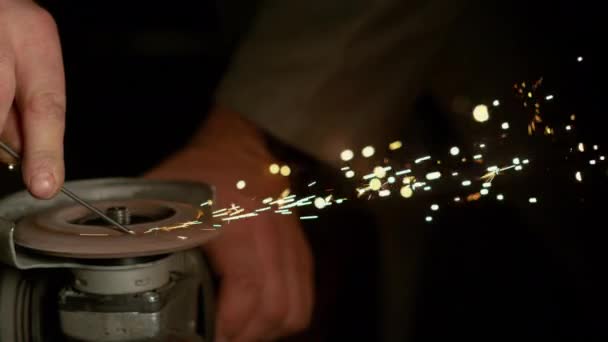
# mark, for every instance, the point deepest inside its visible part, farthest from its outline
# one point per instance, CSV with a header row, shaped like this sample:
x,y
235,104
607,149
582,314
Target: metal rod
x,y
73,196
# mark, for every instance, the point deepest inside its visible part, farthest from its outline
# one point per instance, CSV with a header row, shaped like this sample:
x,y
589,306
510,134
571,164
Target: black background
x,y
140,77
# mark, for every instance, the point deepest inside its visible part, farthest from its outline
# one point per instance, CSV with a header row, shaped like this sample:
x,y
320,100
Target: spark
x,y
241,185
379,172
505,125
466,183
274,169
427,188
282,201
533,200
473,197
283,211
347,155
395,145
500,197
408,180
340,200
285,170
496,103
368,151
403,172
454,173
238,217
487,185
480,113
263,209
217,225
595,147
313,217
384,193
350,174
518,168
420,160
391,180
375,184
573,117
267,200
456,199
454,151
207,203
418,185
581,147
579,59
482,145
173,227
484,192
320,203
568,127
311,184
433,175
435,207
219,211
549,97
238,211
11,167
516,161
429,219
525,161
493,169
602,158
406,191
345,168
369,176
477,156
182,237
578,176
299,203
592,162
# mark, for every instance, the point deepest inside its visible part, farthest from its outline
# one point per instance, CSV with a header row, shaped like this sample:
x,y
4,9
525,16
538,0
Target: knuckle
x,y
7,78
43,18
40,160
47,105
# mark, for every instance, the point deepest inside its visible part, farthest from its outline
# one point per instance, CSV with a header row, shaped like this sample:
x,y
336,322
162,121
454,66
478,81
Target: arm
x,y
264,263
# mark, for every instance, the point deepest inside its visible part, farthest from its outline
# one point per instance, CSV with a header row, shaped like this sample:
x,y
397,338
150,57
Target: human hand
x,y
32,94
264,263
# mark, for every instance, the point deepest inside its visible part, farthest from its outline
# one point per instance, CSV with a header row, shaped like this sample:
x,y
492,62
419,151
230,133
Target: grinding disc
x,y
73,231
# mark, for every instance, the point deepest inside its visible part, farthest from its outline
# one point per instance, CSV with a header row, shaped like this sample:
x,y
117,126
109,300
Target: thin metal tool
x,y
73,196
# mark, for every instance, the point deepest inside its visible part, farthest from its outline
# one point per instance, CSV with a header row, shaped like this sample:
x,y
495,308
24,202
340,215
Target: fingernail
x,y
43,184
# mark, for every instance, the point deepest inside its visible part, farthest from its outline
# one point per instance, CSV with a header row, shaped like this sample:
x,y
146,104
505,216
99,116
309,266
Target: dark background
x,y
140,77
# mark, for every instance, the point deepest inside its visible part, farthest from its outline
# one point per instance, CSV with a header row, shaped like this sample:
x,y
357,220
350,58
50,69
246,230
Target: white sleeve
x,y
327,75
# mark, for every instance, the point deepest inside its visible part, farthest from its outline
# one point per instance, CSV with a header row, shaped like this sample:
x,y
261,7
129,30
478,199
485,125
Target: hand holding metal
x,y
73,196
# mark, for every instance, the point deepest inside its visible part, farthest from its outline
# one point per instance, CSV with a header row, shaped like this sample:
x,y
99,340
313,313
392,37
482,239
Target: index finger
x,y
41,100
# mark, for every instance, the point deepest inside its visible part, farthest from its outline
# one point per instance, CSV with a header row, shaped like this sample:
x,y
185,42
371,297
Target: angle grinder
x,y
67,274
